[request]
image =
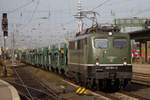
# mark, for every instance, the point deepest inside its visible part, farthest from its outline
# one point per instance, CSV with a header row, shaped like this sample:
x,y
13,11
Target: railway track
x,y
31,88
121,95
118,96
134,95
141,78
110,96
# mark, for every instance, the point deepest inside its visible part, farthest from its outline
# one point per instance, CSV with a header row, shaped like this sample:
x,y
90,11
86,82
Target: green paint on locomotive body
x,y
110,54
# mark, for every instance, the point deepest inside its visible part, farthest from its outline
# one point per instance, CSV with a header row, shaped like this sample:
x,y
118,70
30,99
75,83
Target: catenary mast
x,y
79,16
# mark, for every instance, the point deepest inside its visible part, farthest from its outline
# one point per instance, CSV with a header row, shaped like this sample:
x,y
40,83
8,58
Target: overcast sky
x,y
41,22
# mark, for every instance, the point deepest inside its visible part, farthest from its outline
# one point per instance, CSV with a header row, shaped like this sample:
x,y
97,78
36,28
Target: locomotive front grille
x,y
108,68
114,68
113,72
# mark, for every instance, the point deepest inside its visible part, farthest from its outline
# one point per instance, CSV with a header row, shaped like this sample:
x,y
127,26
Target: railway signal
x,y
5,25
5,22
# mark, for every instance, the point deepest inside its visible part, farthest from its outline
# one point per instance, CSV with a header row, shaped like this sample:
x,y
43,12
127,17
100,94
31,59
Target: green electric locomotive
x,y
100,58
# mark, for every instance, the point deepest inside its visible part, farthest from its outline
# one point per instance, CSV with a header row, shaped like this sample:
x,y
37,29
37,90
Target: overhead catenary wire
x,y
94,20
30,20
55,17
34,11
18,8
100,4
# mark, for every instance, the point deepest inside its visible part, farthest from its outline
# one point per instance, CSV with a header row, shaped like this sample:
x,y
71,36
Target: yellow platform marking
x,y
85,92
82,91
78,90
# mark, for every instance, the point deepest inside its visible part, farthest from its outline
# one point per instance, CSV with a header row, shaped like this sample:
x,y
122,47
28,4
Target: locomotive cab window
x,y
100,43
120,43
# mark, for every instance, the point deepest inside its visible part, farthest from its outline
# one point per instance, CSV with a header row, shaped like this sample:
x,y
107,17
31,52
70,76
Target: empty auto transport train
x,y
98,58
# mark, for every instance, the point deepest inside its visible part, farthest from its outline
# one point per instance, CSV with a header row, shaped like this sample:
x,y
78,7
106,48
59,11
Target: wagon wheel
x,y
88,84
97,86
104,84
47,67
52,69
62,72
57,70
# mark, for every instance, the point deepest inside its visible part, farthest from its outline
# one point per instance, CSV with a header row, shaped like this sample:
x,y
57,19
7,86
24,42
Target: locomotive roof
x,y
83,36
96,29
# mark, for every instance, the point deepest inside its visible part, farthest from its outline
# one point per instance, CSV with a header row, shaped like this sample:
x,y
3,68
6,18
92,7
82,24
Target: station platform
x,y
8,92
141,68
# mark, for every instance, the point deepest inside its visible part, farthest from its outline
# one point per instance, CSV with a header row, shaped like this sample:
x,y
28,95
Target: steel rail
x,y
106,96
141,78
54,95
133,95
24,95
50,94
141,74
23,84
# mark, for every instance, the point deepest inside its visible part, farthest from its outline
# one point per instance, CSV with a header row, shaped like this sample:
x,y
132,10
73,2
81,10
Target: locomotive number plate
x,y
111,68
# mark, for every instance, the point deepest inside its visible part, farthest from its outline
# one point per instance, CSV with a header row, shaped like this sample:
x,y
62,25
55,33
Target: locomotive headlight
x,y
125,60
110,33
97,61
125,63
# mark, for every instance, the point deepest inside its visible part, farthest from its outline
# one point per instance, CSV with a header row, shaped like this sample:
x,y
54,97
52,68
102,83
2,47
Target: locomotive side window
x,y
100,43
80,44
120,43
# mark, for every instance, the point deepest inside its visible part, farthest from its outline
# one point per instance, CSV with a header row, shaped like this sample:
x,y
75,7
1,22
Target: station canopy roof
x,y
140,35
